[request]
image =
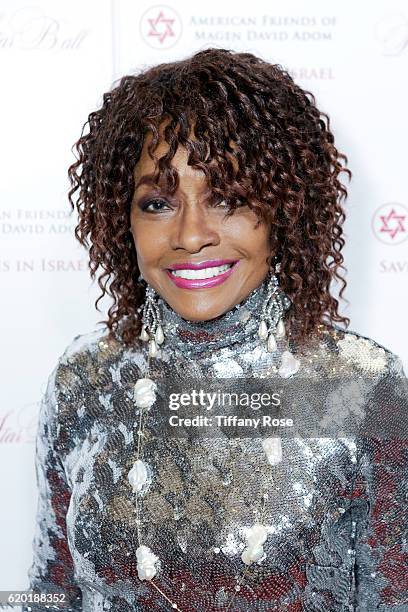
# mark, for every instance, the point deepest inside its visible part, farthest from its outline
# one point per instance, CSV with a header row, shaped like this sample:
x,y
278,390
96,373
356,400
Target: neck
x,y
237,325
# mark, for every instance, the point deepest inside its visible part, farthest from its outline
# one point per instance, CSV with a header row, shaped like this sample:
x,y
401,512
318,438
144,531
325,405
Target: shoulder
x,y
363,352
94,357
90,353
64,381
89,344
76,363
92,368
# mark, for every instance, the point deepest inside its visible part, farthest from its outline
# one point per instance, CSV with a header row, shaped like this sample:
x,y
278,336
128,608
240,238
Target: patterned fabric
x,y
336,508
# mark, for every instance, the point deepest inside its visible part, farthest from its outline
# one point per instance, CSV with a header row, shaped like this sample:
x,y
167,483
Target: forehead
x,y
145,166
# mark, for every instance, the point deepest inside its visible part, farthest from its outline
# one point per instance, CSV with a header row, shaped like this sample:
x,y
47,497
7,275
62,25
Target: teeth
x,y
204,273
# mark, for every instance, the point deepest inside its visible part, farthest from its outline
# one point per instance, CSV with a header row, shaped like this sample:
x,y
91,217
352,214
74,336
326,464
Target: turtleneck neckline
x,y
239,324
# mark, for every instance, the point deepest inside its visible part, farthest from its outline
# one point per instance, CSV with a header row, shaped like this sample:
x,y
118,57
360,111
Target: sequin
x,y
334,510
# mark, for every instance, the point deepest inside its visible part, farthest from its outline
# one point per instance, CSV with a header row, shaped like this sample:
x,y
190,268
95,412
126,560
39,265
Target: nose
x,y
194,229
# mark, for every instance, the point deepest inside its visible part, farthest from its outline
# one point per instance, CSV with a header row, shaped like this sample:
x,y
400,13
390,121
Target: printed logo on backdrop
x,y
30,28
160,27
266,27
30,226
389,223
19,426
392,33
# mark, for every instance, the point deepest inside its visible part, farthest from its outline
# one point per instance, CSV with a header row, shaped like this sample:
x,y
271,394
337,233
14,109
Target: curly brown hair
x,y
287,172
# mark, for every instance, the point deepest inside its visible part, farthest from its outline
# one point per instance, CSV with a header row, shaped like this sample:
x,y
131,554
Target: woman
x,y
209,191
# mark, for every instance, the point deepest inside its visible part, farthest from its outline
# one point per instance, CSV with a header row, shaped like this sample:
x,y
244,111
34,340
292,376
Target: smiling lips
x,y
201,275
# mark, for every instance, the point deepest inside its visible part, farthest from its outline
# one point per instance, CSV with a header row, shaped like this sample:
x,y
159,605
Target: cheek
x,y
148,243
254,241
141,241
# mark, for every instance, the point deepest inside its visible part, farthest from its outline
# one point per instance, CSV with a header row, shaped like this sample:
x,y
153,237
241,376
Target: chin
x,y
200,314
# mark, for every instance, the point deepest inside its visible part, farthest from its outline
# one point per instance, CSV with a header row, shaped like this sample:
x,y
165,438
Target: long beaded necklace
x,y
140,475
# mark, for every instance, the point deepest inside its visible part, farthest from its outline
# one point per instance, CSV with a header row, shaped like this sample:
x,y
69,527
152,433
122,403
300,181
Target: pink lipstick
x,y
189,275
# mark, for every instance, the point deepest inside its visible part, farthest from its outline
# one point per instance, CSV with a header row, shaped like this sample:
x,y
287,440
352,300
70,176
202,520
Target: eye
x,y
154,205
220,204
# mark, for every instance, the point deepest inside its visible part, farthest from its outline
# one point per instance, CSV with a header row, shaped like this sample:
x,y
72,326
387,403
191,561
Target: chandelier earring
x,y
152,330
271,327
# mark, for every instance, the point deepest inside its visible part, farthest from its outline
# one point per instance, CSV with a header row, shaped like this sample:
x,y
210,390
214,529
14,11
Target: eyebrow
x,y
149,179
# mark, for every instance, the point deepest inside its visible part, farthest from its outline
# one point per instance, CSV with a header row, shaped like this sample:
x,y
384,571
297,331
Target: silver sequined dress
x,y
336,508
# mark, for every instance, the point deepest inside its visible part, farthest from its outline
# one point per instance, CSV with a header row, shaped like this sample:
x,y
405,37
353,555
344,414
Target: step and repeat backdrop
x,y
58,58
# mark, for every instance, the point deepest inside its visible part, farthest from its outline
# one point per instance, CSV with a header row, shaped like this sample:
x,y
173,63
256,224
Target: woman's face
x,y
219,259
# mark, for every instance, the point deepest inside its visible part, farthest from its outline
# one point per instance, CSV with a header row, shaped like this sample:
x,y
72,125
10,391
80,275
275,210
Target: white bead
x,y
289,365
273,449
144,335
138,475
144,393
159,335
280,329
255,552
146,560
271,344
256,535
152,348
246,556
262,330
251,554
244,315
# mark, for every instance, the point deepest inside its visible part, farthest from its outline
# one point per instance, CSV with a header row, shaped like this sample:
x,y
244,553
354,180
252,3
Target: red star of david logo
x,y
392,223
160,27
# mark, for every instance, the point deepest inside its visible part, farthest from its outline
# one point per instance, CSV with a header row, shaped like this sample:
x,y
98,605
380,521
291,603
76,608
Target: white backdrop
x,y
57,58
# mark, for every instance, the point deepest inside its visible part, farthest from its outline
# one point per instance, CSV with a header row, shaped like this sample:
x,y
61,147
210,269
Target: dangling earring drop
x,y
272,326
152,330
